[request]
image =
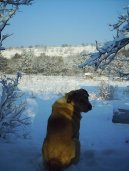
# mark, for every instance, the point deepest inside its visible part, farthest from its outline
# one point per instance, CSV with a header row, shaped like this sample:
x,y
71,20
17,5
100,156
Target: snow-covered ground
x,y
104,145
51,51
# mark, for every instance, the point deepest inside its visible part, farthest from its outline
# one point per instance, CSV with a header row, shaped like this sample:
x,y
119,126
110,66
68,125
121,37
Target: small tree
x,y
107,91
106,53
11,108
3,63
8,8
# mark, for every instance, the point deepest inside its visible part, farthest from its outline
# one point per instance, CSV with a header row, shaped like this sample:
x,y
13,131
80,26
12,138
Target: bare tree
x,y
8,8
106,53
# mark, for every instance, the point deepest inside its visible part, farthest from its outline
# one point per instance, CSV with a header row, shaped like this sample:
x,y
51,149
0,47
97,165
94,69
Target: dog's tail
x,y
54,165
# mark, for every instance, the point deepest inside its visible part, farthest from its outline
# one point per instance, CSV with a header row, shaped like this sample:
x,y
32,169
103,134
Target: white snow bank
x,y
62,84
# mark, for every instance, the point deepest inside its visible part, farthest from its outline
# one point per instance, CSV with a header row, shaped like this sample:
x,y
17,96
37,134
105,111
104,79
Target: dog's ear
x,y
83,92
76,94
70,96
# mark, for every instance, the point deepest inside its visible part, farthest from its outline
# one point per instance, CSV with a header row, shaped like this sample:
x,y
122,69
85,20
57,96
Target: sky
x,y
58,22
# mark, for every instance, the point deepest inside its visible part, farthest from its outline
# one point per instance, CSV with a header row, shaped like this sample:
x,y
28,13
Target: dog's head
x,y
80,99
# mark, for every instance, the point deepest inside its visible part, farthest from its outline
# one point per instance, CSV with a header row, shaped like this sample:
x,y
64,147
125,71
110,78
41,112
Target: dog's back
x,y
59,147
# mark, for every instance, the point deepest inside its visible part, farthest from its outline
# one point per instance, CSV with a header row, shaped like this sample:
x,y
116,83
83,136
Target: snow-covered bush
x,y
107,91
11,106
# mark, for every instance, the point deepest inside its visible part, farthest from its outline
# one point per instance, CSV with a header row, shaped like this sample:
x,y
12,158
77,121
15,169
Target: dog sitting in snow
x,y
61,146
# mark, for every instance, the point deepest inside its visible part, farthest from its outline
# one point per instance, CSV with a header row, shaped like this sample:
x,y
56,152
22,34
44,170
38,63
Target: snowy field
x,y
104,145
51,51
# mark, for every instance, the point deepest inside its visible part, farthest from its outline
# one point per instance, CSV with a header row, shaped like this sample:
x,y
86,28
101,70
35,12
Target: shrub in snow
x,y
11,108
107,91
3,63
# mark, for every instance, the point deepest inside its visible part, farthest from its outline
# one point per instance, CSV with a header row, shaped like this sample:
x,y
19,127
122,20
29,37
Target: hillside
x,y
61,60
45,59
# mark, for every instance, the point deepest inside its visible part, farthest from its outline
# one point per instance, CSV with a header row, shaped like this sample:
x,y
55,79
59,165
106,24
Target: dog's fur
x,y
61,146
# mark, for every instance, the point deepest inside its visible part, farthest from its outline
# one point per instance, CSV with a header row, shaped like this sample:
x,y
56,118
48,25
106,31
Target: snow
x,y
104,145
51,51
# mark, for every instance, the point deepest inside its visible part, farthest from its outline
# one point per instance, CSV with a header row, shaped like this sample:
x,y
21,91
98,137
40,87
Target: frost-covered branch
x,y
11,108
17,2
122,74
5,14
8,8
106,53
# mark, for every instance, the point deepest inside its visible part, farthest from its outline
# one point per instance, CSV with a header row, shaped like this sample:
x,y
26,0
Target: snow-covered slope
x,y
51,51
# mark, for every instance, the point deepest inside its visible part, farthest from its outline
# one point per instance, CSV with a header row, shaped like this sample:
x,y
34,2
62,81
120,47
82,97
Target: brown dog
x,y
61,146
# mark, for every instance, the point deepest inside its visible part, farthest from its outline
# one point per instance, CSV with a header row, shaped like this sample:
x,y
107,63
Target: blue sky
x,y
57,22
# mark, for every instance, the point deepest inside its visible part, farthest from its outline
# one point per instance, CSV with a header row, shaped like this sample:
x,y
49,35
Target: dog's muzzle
x,y
90,106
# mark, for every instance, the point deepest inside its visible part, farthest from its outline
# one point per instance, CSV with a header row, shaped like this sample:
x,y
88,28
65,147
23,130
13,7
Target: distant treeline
x,y
28,63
